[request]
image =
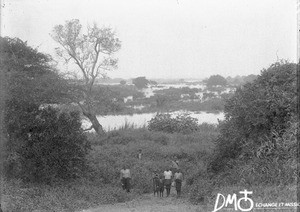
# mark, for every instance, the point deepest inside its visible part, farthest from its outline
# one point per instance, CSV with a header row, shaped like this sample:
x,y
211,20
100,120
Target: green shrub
x,y
258,140
141,178
53,146
106,163
162,122
269,165
256,112
200,191
181,124
215,80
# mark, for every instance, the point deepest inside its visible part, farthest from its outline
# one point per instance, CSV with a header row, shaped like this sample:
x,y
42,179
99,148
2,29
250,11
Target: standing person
x,y
168,180
175,164
122,179
178,176
139,154
155,180
161,186
125,177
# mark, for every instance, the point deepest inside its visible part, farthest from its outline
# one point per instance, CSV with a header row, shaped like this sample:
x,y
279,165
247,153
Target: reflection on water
x,y
139,120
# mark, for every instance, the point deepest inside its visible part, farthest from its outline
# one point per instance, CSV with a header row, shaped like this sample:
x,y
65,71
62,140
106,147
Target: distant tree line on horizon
x,y
218,80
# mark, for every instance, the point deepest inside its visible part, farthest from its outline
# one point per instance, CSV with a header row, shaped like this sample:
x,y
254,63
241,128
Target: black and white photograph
x,y
149,105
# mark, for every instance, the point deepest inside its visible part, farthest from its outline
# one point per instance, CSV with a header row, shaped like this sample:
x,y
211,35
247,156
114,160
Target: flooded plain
x,y
112,122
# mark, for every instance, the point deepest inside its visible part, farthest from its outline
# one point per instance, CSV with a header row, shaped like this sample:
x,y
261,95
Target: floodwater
x,y
148,92
112,122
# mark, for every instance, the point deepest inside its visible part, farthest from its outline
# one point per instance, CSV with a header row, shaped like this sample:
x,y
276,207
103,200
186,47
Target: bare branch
x,y
85,51
95,62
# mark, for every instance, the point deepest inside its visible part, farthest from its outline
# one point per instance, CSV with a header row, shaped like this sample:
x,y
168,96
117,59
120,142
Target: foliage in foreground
x,y
101,184
73,196
257,145
42,144
51,146
257,117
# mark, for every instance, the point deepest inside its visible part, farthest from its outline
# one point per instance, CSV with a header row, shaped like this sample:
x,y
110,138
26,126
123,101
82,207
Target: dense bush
x,y
186,124
31,84
240,80
257,144
201,190
267,167
181,124
215,80
141,180
253,136
162,122
51,146
140,82
268,164
106,163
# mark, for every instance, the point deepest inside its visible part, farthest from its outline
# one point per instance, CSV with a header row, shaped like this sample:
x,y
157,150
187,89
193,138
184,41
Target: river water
x,y
112,122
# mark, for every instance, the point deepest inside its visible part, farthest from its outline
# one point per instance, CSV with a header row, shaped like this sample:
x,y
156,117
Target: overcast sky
x,y
170,38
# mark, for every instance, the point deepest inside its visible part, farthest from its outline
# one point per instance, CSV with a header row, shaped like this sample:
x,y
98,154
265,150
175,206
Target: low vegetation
x,y
181,124
101,184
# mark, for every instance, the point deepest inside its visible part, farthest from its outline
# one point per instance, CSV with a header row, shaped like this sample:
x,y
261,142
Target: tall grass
x,y
73,196
109,153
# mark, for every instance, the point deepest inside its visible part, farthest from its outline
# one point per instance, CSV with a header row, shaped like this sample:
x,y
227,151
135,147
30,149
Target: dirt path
x,y
149,203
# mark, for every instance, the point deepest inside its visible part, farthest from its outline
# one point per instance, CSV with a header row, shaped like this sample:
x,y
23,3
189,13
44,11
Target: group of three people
x,y
166,180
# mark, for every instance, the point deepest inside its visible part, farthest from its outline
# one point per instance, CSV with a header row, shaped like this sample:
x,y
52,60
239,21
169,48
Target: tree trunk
x,y
95,123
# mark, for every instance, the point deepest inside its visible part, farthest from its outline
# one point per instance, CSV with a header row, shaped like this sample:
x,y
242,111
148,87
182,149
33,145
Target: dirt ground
x,y
149,203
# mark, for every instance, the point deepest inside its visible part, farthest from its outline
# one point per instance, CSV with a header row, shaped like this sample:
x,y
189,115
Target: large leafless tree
x,y
92,53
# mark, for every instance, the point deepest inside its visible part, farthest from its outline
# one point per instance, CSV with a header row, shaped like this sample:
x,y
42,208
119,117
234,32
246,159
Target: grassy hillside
x,y
101,183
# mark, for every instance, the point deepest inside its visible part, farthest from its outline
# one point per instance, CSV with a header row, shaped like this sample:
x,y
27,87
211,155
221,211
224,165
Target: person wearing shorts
x,y
178,176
